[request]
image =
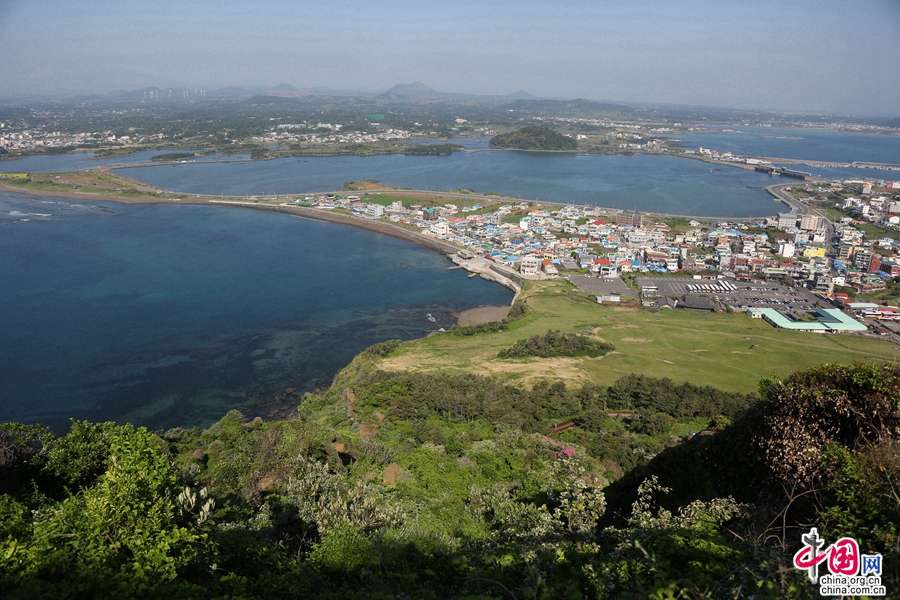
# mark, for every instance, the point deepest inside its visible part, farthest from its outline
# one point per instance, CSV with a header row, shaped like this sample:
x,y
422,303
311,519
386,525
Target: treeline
x,y
468,397
680,400
554,343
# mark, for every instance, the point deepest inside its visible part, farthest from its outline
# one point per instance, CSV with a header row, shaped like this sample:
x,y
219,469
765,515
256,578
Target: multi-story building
x,y
786,221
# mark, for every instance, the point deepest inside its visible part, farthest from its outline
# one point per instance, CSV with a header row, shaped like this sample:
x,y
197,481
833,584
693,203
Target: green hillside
x,y
534,137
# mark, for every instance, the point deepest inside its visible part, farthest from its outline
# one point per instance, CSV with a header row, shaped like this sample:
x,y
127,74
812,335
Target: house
x,y
890,267
530,265
701,303
549,268
667,302
603,267
374,211
440,228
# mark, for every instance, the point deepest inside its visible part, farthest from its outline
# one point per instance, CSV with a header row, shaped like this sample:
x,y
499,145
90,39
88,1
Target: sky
x,y
814,56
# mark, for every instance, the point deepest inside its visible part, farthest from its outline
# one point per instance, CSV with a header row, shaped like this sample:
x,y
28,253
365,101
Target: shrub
x,y
383,348
554,343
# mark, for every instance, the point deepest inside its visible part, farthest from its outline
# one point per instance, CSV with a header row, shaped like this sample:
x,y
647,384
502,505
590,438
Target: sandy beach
x,y
482,314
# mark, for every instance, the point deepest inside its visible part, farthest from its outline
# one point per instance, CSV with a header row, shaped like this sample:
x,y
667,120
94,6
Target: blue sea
x,y
664,184
796,143
170,316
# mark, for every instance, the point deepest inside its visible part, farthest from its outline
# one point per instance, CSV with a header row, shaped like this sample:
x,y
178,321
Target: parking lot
x,y
602,285
737,294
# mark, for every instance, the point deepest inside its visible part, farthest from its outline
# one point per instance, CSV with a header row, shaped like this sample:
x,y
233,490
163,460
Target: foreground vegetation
x,y
440,486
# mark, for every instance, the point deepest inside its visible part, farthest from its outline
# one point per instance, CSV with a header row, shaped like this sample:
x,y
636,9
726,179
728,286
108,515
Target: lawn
x,y
729,351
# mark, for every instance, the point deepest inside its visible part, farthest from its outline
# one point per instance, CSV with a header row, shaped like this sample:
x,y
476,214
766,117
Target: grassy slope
x,y
705,349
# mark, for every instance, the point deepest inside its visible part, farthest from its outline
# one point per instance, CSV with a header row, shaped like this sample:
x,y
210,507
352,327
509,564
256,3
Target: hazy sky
x,y
832,56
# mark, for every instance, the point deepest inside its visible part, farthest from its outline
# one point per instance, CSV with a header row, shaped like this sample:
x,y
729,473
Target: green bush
x,y
344,550
554,343
383,348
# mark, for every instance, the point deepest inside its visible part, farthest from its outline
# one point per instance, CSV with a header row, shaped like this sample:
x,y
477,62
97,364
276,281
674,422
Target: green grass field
x,y
729,351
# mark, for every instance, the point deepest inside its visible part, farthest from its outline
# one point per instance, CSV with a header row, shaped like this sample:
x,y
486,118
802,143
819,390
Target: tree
x,y
123,536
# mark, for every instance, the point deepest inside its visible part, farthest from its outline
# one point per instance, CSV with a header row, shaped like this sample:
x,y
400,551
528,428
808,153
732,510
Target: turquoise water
x,y
172,315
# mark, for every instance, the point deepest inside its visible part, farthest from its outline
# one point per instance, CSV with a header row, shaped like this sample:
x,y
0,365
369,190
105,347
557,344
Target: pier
x,y
783,171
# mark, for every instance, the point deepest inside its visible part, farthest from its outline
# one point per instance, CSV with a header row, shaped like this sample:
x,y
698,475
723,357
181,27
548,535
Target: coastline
x,y
381,227
189,198
354,221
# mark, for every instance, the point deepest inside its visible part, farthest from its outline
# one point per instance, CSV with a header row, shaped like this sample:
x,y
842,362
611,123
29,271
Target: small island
x,y
534,137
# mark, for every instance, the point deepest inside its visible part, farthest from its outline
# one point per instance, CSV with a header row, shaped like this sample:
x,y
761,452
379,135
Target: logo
x,y
850,573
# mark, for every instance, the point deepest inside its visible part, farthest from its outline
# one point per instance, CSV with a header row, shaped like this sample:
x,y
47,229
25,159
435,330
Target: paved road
x,y
797,207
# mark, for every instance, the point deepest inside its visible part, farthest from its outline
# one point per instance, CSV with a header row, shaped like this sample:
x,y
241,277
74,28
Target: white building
x,y
530,265
786,249
374,211
440,228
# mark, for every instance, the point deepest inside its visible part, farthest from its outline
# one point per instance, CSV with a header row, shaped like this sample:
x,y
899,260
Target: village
x,y
791,264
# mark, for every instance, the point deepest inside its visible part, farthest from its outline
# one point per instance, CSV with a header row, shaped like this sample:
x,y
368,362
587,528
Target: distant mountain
x,y
420,91
411,91
269,100
570,108
521,95
893,122
234,90
285,90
